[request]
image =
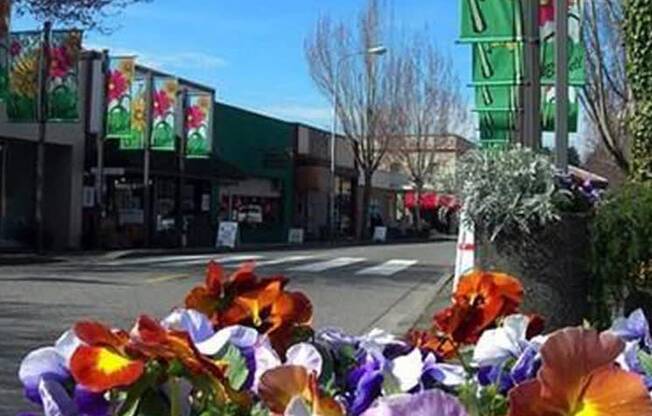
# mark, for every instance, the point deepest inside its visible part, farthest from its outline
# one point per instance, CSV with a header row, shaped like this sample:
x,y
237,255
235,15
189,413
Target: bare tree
x,y
606,96
88,14
431,109
360,84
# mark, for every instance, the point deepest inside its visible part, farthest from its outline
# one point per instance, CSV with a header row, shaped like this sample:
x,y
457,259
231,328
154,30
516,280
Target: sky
x,y
251,51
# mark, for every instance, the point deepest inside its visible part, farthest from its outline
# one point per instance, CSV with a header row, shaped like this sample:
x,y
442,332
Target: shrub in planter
x,y
243,345
532,223
622,250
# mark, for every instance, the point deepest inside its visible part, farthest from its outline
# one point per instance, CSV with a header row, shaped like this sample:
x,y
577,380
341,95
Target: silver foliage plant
x,y
509,189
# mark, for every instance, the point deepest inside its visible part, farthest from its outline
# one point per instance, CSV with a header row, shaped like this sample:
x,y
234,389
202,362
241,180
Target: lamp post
x,y
377,51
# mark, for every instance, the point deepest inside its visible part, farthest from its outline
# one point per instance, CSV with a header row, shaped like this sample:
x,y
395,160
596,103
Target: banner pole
x,y
44,68
99,145
532,89
147,203
561,84
183,238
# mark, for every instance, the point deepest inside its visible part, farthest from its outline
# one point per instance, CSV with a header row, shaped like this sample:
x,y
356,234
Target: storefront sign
x,y
380,234
227,234
295,236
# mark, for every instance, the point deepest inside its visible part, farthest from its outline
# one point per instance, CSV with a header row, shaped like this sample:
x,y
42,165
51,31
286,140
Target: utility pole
x,y
100,138
561,85
147,192
42,117
531,123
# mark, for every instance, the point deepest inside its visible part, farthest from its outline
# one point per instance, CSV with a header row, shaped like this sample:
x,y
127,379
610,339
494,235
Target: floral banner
x,y
199,118
120,78
63,80
164,107
549,109
501,98
24,53
491,20
5,15
497,63
576,50
136,140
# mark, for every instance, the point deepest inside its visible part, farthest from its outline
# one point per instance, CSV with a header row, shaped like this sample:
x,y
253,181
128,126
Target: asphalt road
x,y
355,288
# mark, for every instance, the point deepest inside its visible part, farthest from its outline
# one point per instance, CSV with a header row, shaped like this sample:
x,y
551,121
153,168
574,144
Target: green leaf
x,y
137,391
391,385
646,362
237,370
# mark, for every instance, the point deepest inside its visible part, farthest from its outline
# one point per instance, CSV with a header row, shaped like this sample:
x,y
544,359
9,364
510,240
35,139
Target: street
x,y
355,288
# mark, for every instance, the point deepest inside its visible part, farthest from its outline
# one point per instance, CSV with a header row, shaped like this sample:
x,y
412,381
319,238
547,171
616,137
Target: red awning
x,y
431,200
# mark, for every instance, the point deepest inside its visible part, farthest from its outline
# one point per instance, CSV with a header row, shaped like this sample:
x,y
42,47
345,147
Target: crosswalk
x,y
308,264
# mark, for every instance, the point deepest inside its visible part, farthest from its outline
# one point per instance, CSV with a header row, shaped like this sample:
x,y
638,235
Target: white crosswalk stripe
x,y
158,259
284,260
388,268
327,264
223,260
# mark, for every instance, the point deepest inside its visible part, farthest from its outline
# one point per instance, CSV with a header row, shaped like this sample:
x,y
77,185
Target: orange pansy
x,y
578,377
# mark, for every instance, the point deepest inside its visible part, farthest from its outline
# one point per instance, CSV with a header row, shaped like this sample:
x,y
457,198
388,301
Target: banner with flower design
x,y
63,79
120,77
549,109
136,140
576,49
164,106
491,20
5,15
497,63
199,119
24,54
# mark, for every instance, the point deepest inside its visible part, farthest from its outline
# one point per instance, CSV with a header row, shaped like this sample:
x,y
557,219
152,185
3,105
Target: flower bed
x,y
243,345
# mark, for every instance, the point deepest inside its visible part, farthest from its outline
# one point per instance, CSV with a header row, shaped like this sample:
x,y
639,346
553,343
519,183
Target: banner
x,y
164,107
576,50
199,119
24,54
497,63
548,109
138,123
5,16
118,95
498,120
501,98
491,20
63,79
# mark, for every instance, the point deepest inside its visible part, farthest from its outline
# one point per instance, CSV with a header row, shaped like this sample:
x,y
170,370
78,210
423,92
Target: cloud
x,y
319,116
167,61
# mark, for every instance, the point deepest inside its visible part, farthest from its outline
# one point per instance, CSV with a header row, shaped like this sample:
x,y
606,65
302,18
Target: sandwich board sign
x,y
295,236
227,234
380,234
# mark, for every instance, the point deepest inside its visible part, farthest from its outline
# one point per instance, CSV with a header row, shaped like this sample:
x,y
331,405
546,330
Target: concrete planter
x,y
553,264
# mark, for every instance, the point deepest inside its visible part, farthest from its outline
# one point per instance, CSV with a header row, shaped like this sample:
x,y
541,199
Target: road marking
x,y
283,260
388,268
164,279
155,260
223,260
328,264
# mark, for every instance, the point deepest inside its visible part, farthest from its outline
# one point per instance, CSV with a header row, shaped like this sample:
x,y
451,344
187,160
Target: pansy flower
x,y
635,331
579,377
479,300
106,359
426,403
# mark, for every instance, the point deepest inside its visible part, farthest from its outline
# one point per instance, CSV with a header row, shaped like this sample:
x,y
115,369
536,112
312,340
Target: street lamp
x,y
372,51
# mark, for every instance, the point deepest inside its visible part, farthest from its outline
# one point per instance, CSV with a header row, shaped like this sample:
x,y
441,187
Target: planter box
x,y
553,264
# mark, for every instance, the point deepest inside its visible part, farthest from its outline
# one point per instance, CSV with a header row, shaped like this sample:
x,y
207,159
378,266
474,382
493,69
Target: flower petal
x,y
427,403
89,403
612,391
305,355
408,370
56,401
66,345
100,369
195,323
39,364
633,328
279,386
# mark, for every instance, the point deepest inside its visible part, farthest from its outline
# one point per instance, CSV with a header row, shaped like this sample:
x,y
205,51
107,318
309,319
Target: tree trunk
x,y
366,200
417,209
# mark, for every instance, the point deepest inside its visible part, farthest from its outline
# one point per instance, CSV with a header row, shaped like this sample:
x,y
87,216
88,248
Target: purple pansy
x,y
426,403
635,331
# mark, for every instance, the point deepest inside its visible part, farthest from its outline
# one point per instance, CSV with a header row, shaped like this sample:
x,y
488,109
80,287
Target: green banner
x,y
501,98
548,109
138,123
118,95
199,119
491,20
497,63
576,50
164,106
498,120
62,88
5,17
24,54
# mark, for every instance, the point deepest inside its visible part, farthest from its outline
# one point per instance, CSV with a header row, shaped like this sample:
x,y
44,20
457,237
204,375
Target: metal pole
x,y
561,84
42,127
99,144
331,182
147,203
183,238
531,135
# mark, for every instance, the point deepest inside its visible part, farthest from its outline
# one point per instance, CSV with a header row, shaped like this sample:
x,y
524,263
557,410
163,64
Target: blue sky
x,y
251,51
